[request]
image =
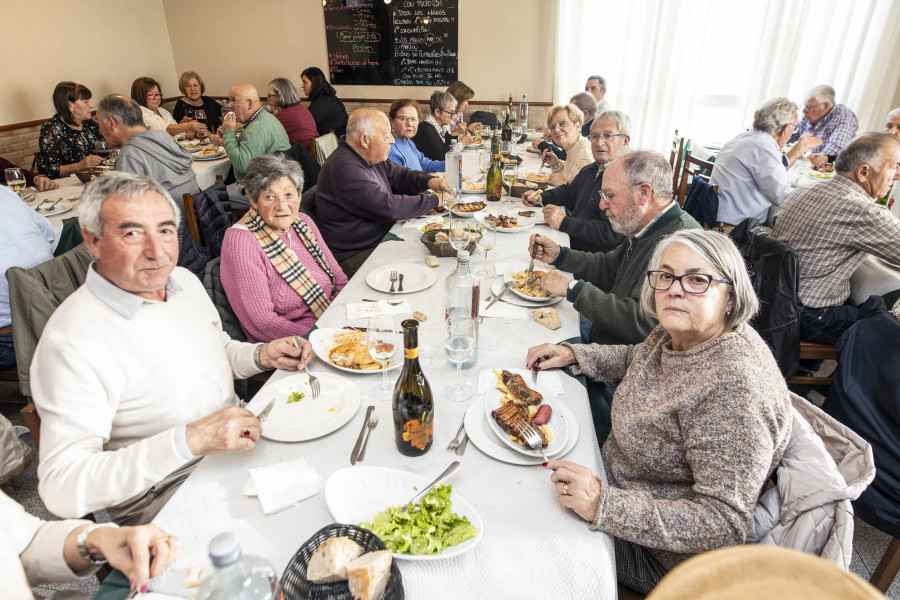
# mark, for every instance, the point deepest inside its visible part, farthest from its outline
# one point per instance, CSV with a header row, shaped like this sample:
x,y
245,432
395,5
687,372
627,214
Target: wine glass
x,y
382,341
510,176
15,179
485,244
200,116
505,150
459,345
101,149
459,235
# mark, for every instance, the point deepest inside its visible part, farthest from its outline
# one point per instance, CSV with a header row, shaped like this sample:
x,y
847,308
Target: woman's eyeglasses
x,y
408,119
691,283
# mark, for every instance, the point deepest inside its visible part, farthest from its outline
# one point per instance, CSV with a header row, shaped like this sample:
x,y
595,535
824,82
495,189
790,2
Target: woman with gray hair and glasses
x,y
298,122
700,418
433,138
276,269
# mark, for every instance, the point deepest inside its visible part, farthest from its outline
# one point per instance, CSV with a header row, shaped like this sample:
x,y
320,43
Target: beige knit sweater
x,y
694,437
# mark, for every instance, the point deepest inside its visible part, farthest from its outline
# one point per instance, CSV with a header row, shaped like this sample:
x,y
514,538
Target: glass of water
x,y
485,244
459,346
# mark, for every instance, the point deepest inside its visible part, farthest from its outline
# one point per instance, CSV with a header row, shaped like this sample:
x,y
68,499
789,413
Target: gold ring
x,y
565,489
245,432
165,539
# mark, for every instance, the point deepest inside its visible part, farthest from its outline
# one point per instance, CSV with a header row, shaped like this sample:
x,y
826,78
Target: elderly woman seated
x,y
147,93
564,123
700,418
277,271
433,137
404,116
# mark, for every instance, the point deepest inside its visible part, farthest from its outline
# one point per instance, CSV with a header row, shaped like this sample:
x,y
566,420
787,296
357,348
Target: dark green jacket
x,y
610,294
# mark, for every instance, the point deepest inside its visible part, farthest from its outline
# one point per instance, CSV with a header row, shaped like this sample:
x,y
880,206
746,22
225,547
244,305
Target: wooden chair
x,y
190,218
887,567
811,351
675,158
11,375
34,161
692,166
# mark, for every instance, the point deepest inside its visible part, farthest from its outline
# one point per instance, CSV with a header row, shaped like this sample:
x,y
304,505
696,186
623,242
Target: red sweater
x,y
299,124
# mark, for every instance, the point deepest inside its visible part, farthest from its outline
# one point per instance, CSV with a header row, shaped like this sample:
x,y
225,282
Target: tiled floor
x,y
868,543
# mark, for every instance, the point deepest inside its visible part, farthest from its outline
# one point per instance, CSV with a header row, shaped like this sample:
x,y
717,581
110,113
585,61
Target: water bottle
x,y
453,167
523,113
238,577
463,296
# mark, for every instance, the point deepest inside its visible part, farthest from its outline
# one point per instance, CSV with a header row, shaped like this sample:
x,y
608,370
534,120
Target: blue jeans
x,y
7,353
826,325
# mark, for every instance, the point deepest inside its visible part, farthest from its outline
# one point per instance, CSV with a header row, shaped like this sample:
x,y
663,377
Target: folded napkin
x,y
364,310
503,310
282,484
549,382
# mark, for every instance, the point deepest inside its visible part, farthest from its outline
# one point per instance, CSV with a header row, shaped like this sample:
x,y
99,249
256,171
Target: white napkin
x,y
550,382
282,484
503,310
364,310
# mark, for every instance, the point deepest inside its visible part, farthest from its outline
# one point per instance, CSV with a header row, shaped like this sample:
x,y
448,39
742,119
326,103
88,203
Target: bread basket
x,y
86,175
443,250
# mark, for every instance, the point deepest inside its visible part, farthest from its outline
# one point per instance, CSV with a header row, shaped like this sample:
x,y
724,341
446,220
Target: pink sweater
x,y
267,307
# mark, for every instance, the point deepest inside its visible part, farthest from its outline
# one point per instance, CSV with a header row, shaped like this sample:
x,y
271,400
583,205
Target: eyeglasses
x,y
449,112
408,119
156,95
808,108
271,96
607,136
608,196
559,125
691,283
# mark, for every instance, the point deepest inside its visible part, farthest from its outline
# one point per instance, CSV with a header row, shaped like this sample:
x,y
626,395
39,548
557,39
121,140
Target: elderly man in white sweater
x,y
133,375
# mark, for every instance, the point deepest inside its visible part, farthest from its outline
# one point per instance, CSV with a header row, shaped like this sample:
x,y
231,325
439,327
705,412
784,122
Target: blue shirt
x,y
407,155
25,241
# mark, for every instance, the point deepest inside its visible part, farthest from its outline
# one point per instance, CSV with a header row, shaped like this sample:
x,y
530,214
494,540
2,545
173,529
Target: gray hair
x,y
718,250
894,114
622,121
124,111
646,166
601,81
440,101
121,185
822,93
774,114
265,170
586,102
286,93
869,149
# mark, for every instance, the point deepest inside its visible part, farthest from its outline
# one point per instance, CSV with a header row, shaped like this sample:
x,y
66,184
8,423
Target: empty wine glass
x,y
505,151
15,179
485,244
382,341
459,346
510,176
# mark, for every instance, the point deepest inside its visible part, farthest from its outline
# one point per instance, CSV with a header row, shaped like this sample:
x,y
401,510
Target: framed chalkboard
x,y
404,42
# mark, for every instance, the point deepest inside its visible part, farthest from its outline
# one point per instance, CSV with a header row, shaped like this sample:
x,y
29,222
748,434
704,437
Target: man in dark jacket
x,y
586,223
361,193
637,197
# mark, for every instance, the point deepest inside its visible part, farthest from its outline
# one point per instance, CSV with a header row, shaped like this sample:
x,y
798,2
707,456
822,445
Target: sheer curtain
x,y
704,66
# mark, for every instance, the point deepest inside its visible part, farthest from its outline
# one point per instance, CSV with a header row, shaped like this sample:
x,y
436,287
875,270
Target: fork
x,y
530,437
453,445
313,380
393,279
373,423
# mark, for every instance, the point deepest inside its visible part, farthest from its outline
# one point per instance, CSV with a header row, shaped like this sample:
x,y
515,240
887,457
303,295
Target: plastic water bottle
x,y
453,167
463,296
238,577
523,113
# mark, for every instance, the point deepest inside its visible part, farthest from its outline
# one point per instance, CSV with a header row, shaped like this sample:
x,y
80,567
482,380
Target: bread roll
x,y
441,238
547,317
369,575
329,562
432,261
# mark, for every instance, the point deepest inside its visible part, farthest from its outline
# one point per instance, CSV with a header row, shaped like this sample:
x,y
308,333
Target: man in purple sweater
x,y
361,193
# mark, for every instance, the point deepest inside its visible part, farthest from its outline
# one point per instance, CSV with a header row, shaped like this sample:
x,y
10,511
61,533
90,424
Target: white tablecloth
x,y
532,547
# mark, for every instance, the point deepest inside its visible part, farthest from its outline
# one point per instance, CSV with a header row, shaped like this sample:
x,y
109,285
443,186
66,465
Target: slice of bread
x,y
329,562
369,574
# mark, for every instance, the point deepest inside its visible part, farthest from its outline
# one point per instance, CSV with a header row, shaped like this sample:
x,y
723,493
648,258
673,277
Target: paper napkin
x,y
364,310
282,484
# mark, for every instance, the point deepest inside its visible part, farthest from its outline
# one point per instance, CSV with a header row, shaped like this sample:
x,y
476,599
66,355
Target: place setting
x,y
403,278
49,207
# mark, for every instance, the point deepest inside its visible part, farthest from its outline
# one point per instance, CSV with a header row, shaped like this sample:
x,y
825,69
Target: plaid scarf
x,y
286,263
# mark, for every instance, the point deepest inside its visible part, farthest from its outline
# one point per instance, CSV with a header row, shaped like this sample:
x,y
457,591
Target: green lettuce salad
x,y
429,530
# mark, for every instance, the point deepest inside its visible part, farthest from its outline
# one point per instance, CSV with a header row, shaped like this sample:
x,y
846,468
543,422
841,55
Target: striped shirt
x,y
833,226
835,129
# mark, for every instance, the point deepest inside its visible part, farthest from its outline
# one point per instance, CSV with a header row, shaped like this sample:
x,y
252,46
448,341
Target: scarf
x,y
442,131
286,263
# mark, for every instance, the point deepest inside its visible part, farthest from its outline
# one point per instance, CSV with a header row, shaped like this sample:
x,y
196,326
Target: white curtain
x,y
704,66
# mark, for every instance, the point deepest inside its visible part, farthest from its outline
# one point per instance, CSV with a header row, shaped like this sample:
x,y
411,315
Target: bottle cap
x,y
462,255
224,550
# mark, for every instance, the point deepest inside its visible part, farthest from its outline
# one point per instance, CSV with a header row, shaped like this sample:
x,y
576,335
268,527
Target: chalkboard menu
x,y
406,42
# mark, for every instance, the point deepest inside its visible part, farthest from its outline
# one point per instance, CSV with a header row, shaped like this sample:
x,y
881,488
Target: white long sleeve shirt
x,y
116,378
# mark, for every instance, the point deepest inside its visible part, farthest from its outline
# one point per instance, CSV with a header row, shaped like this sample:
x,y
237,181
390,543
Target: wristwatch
x,y
256,359
82,549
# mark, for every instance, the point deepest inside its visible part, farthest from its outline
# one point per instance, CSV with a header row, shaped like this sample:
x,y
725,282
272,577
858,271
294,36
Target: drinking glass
x,y
510,176
459,235
101,149
200,116
505,150
15,179
382,341
485,244
459,346
484,159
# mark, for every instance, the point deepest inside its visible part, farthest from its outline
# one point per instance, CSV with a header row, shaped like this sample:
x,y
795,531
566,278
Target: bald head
x,y
369,133
243,99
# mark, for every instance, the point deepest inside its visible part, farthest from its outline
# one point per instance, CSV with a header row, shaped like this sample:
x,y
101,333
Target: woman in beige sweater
x,y
564,123
700,418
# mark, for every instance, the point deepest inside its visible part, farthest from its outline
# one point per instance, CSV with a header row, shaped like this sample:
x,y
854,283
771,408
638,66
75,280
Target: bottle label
x,y
418,433
411,352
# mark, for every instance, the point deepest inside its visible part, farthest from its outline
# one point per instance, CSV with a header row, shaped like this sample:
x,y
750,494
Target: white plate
x,y
357,494
525,222
415,278
816,175
188,146
559,428
478,146
460,213
515,267
62,206
463,190
322,341
480,434
519,300
309,418
215,156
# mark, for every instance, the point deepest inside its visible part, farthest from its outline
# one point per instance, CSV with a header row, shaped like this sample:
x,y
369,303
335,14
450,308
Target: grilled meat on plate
x,y
522,394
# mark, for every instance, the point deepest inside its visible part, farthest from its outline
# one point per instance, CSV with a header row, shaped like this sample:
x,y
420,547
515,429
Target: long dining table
x,y
529,546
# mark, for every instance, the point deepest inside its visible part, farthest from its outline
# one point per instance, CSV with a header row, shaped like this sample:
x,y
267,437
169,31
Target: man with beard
x,y
636,194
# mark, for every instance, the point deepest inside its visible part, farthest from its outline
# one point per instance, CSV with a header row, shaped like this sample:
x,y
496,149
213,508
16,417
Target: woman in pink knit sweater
x,y
277,271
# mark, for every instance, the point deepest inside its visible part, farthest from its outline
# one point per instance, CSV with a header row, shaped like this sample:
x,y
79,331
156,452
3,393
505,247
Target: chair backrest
x,y
34,295
308,203
34,161
675,158
214,216
690,167
212,282
324,145
311,168
190,219
484,117
702,201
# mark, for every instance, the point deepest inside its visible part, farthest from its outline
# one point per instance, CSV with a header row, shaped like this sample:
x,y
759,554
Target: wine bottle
x,y
507,122
413,404
494,182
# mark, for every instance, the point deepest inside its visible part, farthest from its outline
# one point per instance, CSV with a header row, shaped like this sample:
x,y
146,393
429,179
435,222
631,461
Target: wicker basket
x,y
521,186
443,250
297,587
86,175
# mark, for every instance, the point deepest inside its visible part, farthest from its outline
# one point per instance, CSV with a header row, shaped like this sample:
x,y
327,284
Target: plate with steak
x,y
514,400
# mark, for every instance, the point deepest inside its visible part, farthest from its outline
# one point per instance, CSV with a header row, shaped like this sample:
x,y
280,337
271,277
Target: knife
x,y
355,454
528,277
265,412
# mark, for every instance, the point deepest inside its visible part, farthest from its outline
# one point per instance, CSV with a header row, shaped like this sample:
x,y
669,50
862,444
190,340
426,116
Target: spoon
x,y
453,468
